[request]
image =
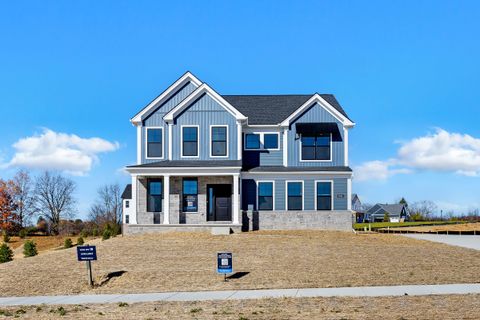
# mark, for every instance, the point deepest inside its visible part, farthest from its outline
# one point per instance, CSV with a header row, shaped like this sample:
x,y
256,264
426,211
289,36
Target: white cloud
x,y
59,151
441,152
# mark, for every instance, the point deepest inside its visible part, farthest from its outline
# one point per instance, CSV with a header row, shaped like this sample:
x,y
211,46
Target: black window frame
x,y
197,129
212,141
316,147
151,144
289,196
194,195
324,196
259,203
151,197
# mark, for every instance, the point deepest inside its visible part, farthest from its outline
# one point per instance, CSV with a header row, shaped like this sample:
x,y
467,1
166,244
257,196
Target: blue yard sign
x,y
224,262
86,253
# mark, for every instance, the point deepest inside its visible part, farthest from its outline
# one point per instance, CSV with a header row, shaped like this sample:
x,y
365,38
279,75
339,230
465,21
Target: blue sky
x,y
402,70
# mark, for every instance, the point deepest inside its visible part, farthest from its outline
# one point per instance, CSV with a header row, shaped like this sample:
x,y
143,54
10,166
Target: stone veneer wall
x,y
176,214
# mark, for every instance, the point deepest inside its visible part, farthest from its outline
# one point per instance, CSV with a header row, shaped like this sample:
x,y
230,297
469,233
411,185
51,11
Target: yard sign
x,y
224,263
88,254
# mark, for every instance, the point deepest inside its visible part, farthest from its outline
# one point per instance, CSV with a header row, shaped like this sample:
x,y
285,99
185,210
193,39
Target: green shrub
x,y
80,241
116,230
68,243
23,233
30,249
84,233
6,237
6,254
95,232
106,234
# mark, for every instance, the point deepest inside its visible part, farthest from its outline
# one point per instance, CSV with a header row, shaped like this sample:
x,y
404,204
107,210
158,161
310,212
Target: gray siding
x,y
249,192
155,119
205,112
314,114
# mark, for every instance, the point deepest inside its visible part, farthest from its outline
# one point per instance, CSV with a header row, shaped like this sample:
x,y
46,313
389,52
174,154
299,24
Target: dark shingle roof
x,y
273,109
297,169
127,193
392,209
190,163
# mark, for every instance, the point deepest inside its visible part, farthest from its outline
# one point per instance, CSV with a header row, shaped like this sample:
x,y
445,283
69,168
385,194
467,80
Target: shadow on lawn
x,y
238,275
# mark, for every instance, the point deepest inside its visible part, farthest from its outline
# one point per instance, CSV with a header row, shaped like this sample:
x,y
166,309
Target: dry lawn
x,y
43,243
448,227
281,259
408,307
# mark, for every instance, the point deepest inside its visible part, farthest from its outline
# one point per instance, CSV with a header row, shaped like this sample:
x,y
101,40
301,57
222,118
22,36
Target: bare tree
x,y
108,205
23,197
423,210
54,198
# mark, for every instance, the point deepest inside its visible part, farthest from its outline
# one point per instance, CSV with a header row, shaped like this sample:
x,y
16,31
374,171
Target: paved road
x,y
471,242
414,290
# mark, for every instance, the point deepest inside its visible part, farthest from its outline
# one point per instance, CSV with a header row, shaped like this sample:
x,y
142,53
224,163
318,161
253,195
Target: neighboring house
x,y
357,208
261,161
396,213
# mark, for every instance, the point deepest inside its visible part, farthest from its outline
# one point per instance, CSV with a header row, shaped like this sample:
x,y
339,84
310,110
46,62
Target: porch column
x,y
133,204
235,202
166,199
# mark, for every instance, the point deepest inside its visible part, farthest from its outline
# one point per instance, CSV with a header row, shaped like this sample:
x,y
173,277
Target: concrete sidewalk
x,y
413,290
466,241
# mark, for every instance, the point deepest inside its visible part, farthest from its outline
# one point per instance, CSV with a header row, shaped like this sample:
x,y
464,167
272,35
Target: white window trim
x,y
286,193
183,195
331,194
198,140
211,141
262,139
273,193
146,143
331,152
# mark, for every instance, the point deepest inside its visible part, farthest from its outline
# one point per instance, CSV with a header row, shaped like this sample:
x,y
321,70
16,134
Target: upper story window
x,y
190,195
155,194
190,141
294,195
316,147
262,141
324,195
219,143
154,142
265,195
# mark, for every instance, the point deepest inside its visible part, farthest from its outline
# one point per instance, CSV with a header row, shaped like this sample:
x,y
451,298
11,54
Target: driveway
x,y
471,242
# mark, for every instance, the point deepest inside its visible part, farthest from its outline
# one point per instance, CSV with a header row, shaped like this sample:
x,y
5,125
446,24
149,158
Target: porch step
x,y
220,231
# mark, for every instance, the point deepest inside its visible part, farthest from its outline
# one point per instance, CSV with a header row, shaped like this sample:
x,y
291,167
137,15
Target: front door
x,y
219,202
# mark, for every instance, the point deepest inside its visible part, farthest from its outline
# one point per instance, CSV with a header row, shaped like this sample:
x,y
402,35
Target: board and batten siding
x,y
249,191
203,113
264,157
155,119
314,114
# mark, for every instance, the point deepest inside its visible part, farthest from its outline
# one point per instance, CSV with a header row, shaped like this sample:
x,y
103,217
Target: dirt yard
x,y
288,259
449,227
408,307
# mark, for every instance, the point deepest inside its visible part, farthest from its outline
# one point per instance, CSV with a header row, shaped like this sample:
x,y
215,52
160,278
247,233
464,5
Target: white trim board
x,y
183,80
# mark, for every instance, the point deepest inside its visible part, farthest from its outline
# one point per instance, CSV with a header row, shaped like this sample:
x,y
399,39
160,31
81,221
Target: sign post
x,y
224,264
88,254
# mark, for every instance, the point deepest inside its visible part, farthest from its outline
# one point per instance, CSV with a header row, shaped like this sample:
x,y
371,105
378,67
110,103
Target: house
x,y
357,208
395,213
207,160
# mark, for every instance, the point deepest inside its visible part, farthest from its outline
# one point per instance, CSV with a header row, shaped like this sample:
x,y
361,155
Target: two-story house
x,y
272,161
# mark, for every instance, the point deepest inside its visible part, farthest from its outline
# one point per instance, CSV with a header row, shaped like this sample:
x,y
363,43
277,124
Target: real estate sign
x,y
224,262
86,253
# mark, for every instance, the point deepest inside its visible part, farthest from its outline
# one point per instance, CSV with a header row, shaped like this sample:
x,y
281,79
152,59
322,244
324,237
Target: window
x,y
294,195
219,141
127,204
252,141
155,143
324,195
155,193
265,195
270,141
316,147
190,142
127,219
190,195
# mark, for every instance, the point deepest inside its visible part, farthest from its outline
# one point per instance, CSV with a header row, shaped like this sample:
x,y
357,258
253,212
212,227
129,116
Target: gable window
x,y
189,141
252,141
270,141
219,142
265,195
190,195
324,195
316,147
294,195
155,194
154,142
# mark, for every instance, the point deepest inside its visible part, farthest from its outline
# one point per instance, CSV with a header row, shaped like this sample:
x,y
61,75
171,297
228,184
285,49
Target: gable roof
x,y
273,109
127,193
392,209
